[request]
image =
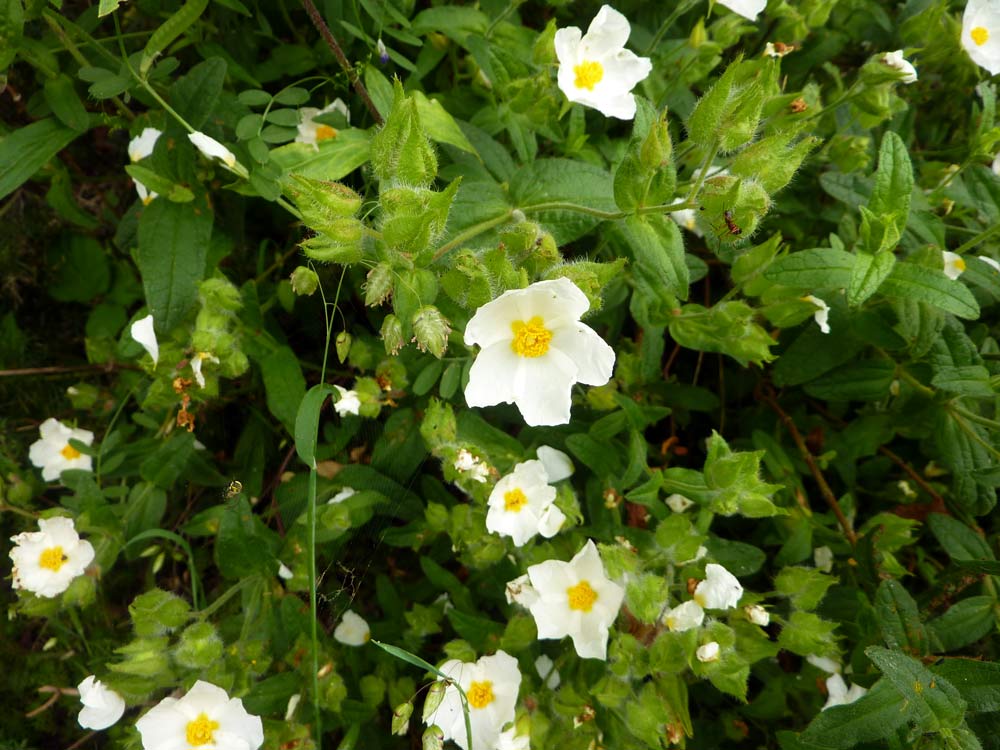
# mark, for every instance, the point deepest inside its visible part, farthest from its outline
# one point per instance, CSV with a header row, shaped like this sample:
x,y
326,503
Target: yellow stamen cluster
x,y
980,35
514,500
581,597
69,452
200,730
325,132
531,338
52,559
588,75
480,694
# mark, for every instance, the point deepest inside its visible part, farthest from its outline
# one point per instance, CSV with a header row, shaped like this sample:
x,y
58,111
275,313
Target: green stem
x,y
473,231
111,424
314,620
511,7
220,600
978,418
19,511
982,236
904,375
682,8
703,172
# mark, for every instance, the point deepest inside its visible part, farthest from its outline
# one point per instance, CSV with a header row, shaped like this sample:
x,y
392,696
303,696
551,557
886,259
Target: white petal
x,y
594,359
558,465
567,42
352,630
102,706
746,8
990,262
142,145
823,558
981,33
547,671
607,32
212,148
823,662
684,617
719,590
491,378
954,264
542,388
708,652
758,615
142,331
348,403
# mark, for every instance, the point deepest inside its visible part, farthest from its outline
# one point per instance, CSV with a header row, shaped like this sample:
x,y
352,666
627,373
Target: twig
x,y
80,742
331,42
108,368
767,395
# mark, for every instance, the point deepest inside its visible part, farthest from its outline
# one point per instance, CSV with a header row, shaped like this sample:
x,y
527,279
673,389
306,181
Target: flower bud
x,y
401,153
305,281
321,201
401,718
199,646
435,694
343,345
431,330
433,738
392,334
378,287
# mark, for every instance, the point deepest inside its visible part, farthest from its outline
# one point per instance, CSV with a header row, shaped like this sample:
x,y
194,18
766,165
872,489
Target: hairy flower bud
x,y
431,330
392,334
304,281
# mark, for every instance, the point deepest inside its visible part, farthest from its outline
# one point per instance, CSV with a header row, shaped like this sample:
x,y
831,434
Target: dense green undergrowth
x,y
390,371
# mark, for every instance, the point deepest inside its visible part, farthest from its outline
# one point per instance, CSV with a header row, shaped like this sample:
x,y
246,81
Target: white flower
x,y
196,363
293,703
596,70
46,561
102,706
510,740
746,8
142,145
352,630
708,652
341,496
822,314
144,193
719,590
521,591
491,685
990,262
312,132
284,572
823,662
678,503
142,331
838,693
475,467
823,558
686,218
684,617
981,33
534,348
53,454
896,60
547,671
758,615
522,504
576,599
557,464
995,166
205,716
212,148
348,403
954,264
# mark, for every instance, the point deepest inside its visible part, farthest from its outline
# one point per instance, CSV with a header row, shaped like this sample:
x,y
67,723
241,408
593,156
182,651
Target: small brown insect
x,y
733,227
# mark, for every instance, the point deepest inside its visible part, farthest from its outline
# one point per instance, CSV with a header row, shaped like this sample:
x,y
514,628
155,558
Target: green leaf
x,y
935,702
877,714
244,546
562,181
958,540
107,6
868,380
60,95
893,182
334,159
728,328
806,633
164,466
195,95
157,611
172,28
307,422
655,245
965,622
978,682
899,619
11,30
814,269
734,484
160,185
867,275
27,149
920,284
439,125
284,385
804,586
79,269
173,244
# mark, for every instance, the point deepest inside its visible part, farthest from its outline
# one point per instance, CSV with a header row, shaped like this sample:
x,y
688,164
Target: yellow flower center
x,y
589,74
958,264
325,132
980,35
581,596
480,694
531,338
52,559
69,452
199,731
514,500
